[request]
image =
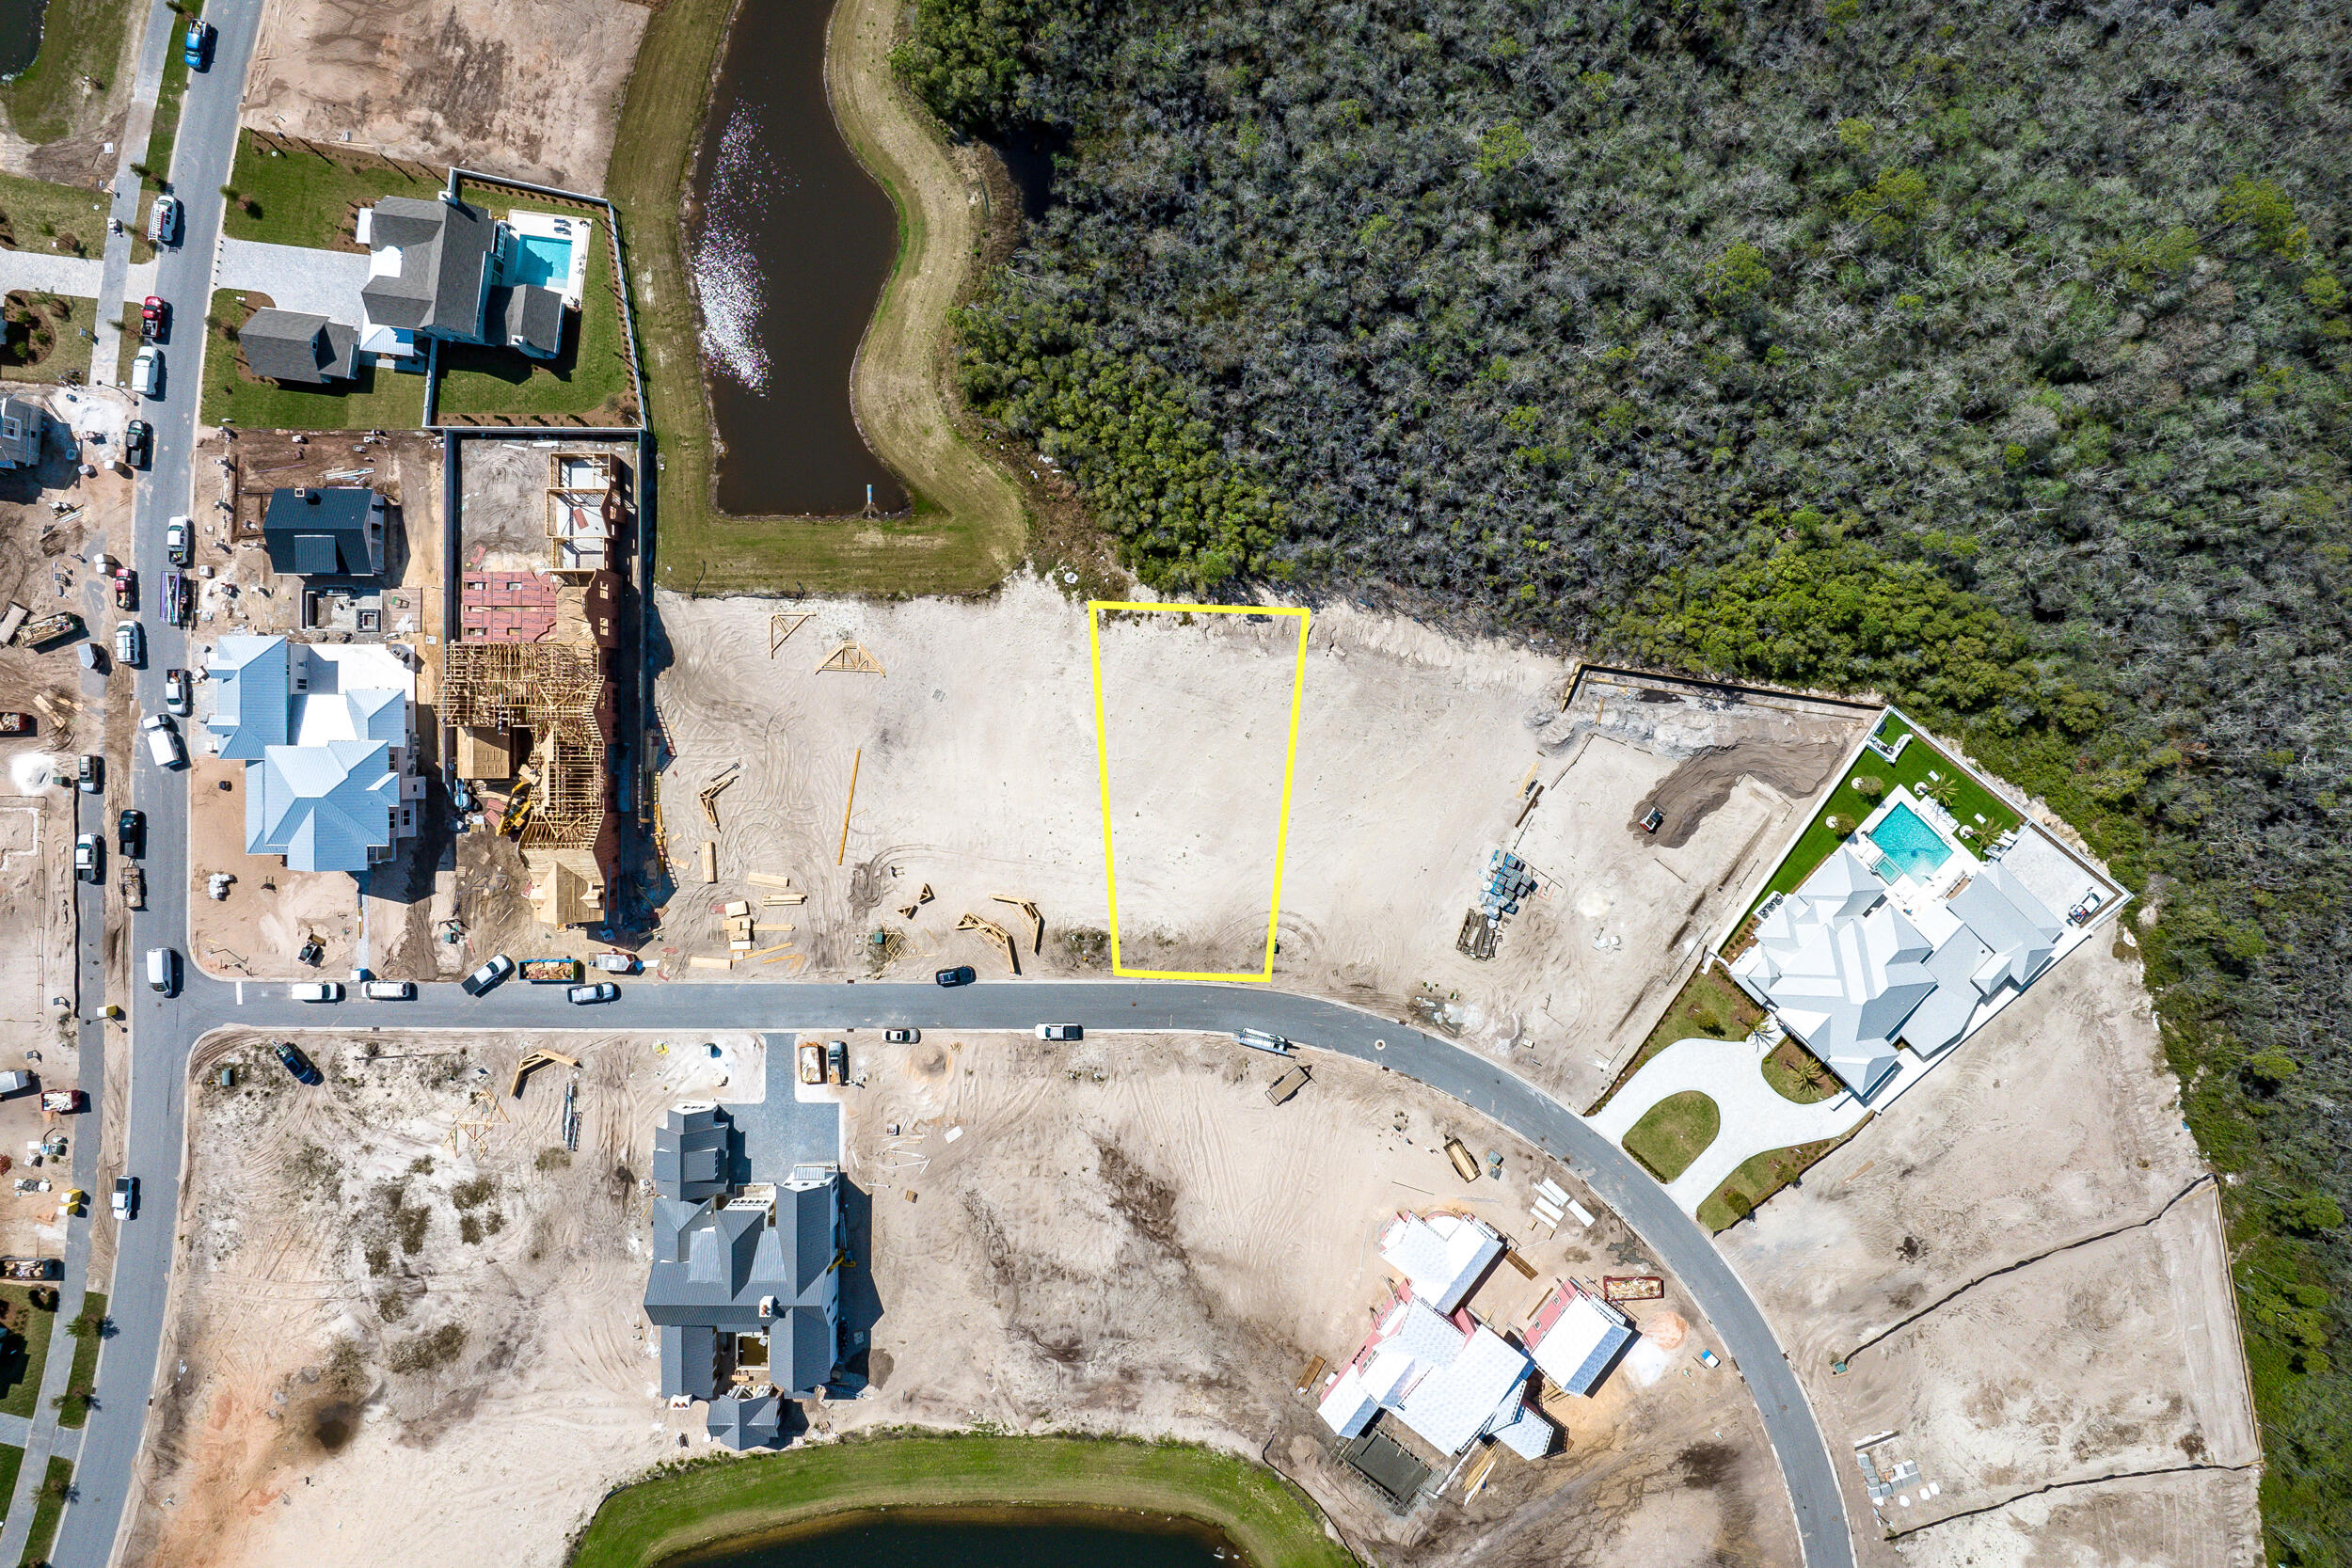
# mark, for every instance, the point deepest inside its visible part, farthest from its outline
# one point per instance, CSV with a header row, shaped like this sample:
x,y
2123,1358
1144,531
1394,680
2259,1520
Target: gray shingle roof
x,y
689,1361
445,261
339,516
693,1152
716,1263
289,345
534,317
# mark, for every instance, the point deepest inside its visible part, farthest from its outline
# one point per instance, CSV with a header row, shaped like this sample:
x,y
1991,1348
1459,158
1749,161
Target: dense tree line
x,y
1992,357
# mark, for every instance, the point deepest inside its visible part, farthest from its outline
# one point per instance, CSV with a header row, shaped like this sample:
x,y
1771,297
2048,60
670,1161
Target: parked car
x,y
163,222
489,974
304,1070
618,963
316,991
837,1061
180,542
147,372
126,588
902,1036
390,991
196,44
962,974
90,779
596,990
1060,1032
178,692
154,319
1655,820
130,643
163,969
138,443
89,858
126,1196
131,832
162,741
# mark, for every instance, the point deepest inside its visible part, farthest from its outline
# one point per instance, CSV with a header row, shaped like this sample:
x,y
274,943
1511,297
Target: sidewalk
x,y
1755,1118
154,48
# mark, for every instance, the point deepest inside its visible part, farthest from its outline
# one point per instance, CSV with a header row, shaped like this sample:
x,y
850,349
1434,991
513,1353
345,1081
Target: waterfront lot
x,y
529,90
587,383
368,1316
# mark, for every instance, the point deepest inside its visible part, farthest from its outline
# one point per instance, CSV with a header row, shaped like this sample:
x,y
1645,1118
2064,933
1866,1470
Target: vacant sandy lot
x,y
2104,1355
368,1316
525,87
975,760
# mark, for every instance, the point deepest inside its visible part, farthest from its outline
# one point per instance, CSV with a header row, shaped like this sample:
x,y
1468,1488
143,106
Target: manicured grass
x,y
1271,1521
61,220
1710,1007
963,546
11,1460
67,319
1958,789
48,1508
1787,1071
587,384
1762,1175
84,1373
78,39
29,1329
165,128
378,398
1674,1132
303,194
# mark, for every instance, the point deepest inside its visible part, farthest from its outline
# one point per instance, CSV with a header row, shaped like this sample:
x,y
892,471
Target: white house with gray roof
x,y
441,268
327,733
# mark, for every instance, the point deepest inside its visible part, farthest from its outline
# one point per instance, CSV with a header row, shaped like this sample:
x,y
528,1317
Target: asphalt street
x,y
162,1030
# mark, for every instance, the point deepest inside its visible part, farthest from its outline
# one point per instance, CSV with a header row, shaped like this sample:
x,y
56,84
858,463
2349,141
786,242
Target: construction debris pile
x,y
1509,880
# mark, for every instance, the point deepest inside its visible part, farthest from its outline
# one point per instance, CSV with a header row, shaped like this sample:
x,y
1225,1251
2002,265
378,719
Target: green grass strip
x,y
1274,1524
84,1374
48,1508
11,1460
30,1325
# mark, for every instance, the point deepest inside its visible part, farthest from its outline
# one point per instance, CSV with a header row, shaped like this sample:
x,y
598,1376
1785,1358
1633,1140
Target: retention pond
x,y
977,1538
790,241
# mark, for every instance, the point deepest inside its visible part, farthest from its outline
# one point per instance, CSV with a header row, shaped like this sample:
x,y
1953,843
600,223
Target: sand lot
x,y
2053,1125
975,758
525,87
368,1318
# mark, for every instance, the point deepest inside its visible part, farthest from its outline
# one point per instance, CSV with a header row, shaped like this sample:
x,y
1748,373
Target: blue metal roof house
x,y
325,735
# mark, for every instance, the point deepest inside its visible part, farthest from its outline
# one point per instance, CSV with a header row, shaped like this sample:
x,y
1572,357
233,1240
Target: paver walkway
x,y
296,278
79,277
1756,1118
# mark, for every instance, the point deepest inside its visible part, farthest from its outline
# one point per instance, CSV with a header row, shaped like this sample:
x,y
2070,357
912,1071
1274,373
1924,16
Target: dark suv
x,y
962,974
304,1070
131,832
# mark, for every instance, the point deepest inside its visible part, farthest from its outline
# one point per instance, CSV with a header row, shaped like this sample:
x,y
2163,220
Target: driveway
x,y
75,276
1756,1117
317,283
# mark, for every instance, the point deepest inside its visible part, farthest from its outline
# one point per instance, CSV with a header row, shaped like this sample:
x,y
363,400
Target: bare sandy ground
x,y
1148,1247
2094,1356
976,768
526,87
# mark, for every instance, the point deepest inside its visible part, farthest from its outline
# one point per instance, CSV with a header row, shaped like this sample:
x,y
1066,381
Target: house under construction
x,y
528,686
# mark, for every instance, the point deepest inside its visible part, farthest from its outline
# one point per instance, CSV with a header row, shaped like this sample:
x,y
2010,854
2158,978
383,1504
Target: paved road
x,y
163,1029
204,152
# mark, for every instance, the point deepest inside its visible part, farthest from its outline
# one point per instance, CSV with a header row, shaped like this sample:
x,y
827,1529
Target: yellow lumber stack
x,y
699,961
767,878
711,860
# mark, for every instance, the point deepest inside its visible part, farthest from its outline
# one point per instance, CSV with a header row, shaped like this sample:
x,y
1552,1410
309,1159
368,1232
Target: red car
x,y
126,588
154,320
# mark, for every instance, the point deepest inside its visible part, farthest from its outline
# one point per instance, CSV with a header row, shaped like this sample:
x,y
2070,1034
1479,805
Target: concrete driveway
x,y
318,282
75,276
1755,1118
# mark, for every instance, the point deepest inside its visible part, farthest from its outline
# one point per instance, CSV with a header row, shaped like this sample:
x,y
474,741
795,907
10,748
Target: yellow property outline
x,y
1103,770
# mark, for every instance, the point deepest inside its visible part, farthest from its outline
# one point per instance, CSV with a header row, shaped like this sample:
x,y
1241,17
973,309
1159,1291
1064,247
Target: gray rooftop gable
x,y
445,262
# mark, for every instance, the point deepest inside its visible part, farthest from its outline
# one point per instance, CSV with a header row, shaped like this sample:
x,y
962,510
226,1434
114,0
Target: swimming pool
x,y
1916,849
542,260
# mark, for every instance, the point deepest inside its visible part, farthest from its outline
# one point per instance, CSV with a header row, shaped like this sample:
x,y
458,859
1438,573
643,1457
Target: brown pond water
x,y
789,242
977,1538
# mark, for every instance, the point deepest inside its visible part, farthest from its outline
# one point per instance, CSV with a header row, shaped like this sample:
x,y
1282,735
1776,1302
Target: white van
x,y
316,991
162,741
163,969
147,372
130,643
390,991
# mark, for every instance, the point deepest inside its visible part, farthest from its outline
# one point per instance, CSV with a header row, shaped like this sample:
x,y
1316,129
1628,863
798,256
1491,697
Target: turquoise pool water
x,y
542,260
1915,848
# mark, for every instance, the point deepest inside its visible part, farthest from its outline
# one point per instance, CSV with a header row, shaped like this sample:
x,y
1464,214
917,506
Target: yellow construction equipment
x,y
1030,908
996,933
716,787
851,659
533,1060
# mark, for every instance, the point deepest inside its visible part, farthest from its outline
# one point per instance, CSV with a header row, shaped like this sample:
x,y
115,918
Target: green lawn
x,y
67,319
27,1352
78,39
1274,1524
297,193
1976,806
1710,1007
165,128
48,1508
63,219
587,384
1762,1175
1787,1071
1674,1132
11,1460
378,398
84,1374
